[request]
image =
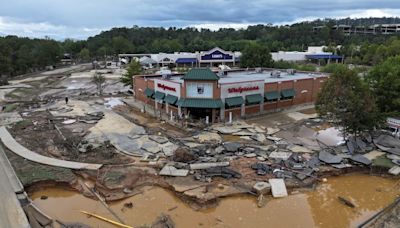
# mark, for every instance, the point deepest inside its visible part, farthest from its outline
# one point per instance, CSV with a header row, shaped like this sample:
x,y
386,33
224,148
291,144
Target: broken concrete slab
x,y
219,171
393,157
360,159
299,149
262,187
342,166
169,170
259,137
208,137
232,146
196,166
275,139
272,130
395,170
168,148
243,133
329,158
69,121
278,187
251,155
158,139
280,155
373,154
7,118
151,146
226,130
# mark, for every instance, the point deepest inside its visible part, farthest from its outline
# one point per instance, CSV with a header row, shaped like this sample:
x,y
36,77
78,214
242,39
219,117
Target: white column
x,y
262,103
207,120
230,117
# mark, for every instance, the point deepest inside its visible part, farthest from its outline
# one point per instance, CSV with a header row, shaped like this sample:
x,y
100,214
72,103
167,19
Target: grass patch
x,y
23,123
114,177
10,108
383,161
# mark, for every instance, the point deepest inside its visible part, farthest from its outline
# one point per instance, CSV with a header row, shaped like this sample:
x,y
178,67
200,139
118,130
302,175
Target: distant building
x,y
385,29
213,57
313,53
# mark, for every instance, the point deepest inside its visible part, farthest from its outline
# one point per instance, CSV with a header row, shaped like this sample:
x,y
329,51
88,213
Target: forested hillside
x,y
22,55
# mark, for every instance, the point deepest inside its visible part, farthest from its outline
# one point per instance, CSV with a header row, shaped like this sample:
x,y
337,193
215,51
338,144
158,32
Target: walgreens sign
x,y
165,87
243,89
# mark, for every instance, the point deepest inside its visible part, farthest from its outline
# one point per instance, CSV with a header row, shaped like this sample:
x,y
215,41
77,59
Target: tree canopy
x,y
22,55
347,101
256,55
384,80
133,68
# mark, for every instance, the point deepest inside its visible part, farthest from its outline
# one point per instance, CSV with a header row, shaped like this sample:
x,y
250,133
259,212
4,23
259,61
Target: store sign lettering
x,y
243,89
217,56
165,87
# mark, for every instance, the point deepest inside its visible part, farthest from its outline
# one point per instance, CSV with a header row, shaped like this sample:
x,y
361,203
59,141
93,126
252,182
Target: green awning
x,y
159,95
199,103
149,92
286,93
254,99
170,99
234,101
180,102
273,95
200,74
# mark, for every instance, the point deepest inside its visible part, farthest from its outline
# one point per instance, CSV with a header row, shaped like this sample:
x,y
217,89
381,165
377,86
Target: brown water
x,y
318,208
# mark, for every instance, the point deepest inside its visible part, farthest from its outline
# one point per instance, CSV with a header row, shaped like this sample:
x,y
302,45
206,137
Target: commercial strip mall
x,y
202,93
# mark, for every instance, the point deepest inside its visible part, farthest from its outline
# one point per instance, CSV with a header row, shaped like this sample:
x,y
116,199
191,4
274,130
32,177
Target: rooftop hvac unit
x,y
275,74
291,71
222,73
258,70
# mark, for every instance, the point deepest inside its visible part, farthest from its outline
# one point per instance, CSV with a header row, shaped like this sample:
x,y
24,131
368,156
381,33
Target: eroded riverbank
x,y
319,208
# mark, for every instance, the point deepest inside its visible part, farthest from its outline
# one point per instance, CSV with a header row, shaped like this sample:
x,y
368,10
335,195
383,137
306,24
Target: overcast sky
x,y
79,19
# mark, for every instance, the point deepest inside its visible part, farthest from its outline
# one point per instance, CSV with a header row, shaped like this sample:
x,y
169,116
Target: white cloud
x,y
216,26
12,26
375,13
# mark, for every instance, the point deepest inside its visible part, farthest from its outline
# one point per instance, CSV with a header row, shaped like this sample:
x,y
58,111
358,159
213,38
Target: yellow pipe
x,y
107,220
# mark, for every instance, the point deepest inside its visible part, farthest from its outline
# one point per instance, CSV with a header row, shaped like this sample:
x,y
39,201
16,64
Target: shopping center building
x,y
219,96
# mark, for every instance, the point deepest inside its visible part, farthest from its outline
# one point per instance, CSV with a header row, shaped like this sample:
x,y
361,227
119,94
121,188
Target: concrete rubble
x,y
169,170
278,188
262,187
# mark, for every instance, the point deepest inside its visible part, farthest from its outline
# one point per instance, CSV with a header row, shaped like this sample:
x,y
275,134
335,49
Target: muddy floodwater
x,y
319,208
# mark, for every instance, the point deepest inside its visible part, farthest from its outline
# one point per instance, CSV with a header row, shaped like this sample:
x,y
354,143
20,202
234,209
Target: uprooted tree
x,y
100,81
134,68
347,101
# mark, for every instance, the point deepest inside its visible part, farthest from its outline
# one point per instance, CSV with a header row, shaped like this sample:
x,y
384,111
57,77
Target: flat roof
x,y
248,76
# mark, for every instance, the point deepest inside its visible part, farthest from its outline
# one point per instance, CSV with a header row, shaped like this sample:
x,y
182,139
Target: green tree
x,y
133,68
84,54
384,80
348,102
334,67
255,55
122,45
100,81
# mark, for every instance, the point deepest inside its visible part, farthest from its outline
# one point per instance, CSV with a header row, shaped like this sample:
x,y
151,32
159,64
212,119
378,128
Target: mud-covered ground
x,y
123,174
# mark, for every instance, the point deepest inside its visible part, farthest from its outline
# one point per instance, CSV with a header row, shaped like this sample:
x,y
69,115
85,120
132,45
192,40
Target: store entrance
x,y
200,113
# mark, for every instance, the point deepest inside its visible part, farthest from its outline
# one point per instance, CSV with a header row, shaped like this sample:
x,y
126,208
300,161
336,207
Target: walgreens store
x,y
204,94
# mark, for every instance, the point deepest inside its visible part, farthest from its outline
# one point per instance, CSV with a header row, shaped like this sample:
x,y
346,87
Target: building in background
x,y
211,58
313,53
